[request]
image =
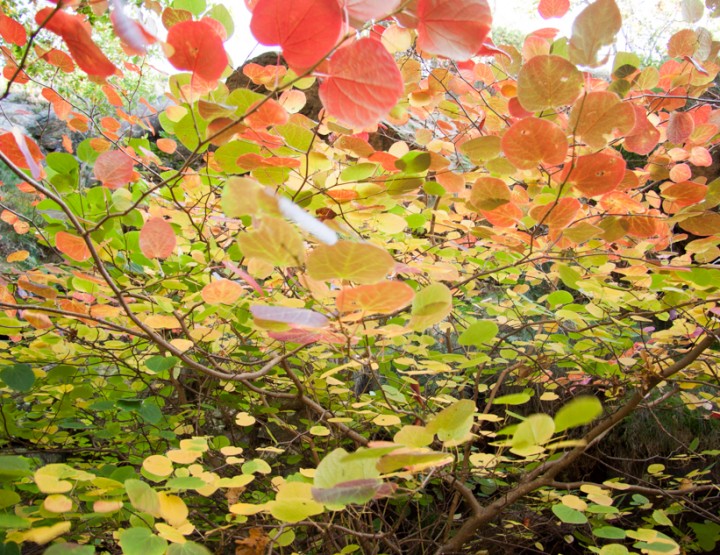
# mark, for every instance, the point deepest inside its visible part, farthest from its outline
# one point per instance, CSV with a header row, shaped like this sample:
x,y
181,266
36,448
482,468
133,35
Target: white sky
x,y
646,21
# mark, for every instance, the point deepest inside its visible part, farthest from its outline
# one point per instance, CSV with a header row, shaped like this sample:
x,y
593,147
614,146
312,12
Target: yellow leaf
x,y
182,456
172,509
158,465
161,322
107,506
244,419
18,256
169,533
57,503
386,420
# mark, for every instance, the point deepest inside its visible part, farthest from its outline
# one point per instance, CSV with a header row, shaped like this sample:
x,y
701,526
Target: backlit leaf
x,y
488,193
72,246
553,8
644,136
680,127
358,262
548,82
594,29
143,497
557,215
11,31
578,412
596,174
455,29
197,48
430,306
364,10
275,241
221,291
294,316
157,238
306,30
114,169
595,117
532,141
74,33
382,298
536,429
363,83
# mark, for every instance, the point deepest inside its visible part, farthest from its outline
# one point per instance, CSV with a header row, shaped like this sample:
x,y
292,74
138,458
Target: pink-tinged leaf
x,y
197,48
380,298
644,136
489,193
306,30
221,291
595,174
157,238
363,84
75,34
532,141
507,215
681,195
594,29
72,246
553,8
301,317
305,336
354,491
557,215
247,278
10,148
11,31
135,37
360,11
114,169
24,147
680,127
548,82
266,113
455,29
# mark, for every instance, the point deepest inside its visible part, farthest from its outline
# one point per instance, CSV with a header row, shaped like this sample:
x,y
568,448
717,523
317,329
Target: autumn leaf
x,y
548,82
384,297
197,48
553,8
532,141
114,169
596,116
359,262
363,84
593,29
455,29
12,31
72,246
157,238
595,174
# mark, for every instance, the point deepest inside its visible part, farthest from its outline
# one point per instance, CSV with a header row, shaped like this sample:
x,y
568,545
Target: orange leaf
x,y
455,29
643,137
75,34
595,174
507,215
114,169
359,262
266,113
72,246
197,48
306,30
38,320
379,298
703,225
556,215
553,8
596,115
157,238
11,31
531,141
548,82
488,193
221,291
680,127
17,256
168,146
680,195
364,84
11,149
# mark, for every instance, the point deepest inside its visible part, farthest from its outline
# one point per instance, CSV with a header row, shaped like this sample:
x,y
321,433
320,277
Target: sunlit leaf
x,y
532,141
114,169
197,48
157,238
430,306
358,262
548,82
294,316
72,246
413,460
384,297
489,193
536,429
594,29
454,423
578,412
553,8
275,241
455,29
595,117
222,291
479,333
595,174
363,84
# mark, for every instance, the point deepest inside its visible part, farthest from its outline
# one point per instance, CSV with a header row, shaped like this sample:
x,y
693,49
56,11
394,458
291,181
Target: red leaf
x,y
266,113
306,30
595,174
72,246
157,238
556,215
76,35
134,36
553,8
680,127
114,169
532,141
364,84
455,29
9,146
361,11
644,137
11,31
198,48
59,59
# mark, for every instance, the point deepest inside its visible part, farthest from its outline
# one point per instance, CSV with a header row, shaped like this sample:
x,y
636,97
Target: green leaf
x,y
568,515
141,541
187,548
19,377
150,412
12,468
294,502
414,162
609,533
513,399
339,482
614,549
69,548
256,465
578,412
160,363
536,429
558,298
8,498
430,306
195,6
143,497
479,333
9,548
220,13
453,424
188,482
14,522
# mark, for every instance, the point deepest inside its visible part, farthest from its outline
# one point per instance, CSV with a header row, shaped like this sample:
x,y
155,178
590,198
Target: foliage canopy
x,y
384,326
